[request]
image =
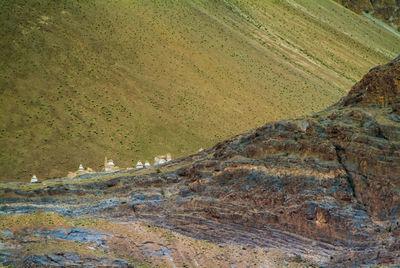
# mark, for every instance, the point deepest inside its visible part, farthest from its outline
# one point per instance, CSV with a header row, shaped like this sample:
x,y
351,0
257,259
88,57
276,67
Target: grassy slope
x,y
131,79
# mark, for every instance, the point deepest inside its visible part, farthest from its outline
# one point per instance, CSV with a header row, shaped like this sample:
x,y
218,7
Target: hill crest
x,y
380,87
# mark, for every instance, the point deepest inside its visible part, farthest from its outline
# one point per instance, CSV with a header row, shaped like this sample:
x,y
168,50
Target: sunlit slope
x,y
132,79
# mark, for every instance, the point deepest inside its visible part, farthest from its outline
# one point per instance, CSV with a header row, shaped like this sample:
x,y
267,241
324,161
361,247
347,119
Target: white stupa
x,y
34,179
169,157
81,168
146,164
109,165
162,161
139,164
156,161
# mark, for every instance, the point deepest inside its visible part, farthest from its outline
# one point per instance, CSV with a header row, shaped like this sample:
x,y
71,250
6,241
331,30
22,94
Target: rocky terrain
x,y
387,11
322,190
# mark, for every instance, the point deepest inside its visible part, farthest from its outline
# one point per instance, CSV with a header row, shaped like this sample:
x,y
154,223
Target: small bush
x,y
297,258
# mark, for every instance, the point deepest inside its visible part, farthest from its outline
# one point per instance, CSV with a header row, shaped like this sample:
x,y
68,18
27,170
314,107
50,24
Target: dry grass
x,y
133,79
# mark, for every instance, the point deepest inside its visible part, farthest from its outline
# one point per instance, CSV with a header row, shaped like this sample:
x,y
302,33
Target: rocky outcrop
x,y
95,238
70,259
379,88
385,10
325,187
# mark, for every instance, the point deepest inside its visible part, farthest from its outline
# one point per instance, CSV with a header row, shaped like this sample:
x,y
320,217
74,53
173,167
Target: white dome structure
x,y
162,161
81,168
34,179
109,165
147,164
139,164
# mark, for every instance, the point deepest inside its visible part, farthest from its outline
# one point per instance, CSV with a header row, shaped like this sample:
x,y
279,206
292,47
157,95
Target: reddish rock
x,y
380,88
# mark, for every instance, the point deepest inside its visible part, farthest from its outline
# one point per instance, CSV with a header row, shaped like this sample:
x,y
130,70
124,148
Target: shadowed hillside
x,y
131,79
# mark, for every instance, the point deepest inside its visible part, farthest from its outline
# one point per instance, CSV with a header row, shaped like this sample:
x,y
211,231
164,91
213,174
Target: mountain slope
x,y
130,80
324,189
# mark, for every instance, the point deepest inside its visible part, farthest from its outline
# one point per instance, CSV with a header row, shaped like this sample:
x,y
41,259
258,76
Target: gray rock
x,y
17,209
71,259
146,199
78,235
394,117
6,233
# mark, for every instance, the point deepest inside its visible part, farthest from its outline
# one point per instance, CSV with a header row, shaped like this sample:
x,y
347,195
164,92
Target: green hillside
x,y
131,79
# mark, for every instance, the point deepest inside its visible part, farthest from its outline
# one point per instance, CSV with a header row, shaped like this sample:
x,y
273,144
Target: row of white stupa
x,y
109,166
158,160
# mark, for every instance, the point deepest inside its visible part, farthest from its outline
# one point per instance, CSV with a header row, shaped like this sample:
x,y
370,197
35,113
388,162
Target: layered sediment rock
x,y
326,187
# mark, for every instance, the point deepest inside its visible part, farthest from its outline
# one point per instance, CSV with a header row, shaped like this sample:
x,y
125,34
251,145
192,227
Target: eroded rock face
x,y
380,88
332,178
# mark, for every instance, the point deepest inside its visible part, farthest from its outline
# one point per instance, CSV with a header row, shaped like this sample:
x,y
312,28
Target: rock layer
x,y
326,187
380,88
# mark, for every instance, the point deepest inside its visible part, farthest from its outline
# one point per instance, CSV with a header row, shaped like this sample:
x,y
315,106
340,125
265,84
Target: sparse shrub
x,y
297,258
